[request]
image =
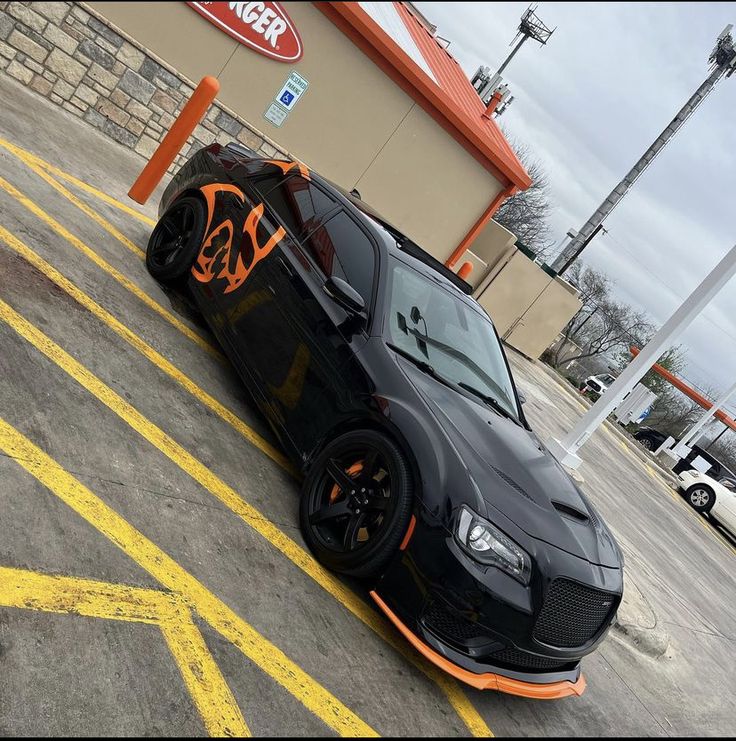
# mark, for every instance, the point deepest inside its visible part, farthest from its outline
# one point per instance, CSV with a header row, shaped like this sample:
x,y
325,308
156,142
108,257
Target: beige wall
x,y
528,307
354,124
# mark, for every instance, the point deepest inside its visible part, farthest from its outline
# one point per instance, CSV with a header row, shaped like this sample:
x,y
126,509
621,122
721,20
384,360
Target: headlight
x,y
489,546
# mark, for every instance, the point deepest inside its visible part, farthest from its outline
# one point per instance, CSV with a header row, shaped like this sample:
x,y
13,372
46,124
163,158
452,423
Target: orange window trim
x,y
487,681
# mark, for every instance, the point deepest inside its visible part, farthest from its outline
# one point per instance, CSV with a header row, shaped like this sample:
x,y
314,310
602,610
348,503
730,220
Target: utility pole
x,y
530,27
723,63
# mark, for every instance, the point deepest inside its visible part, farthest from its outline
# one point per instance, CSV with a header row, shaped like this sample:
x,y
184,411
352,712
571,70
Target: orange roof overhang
x,y
367,35
690,392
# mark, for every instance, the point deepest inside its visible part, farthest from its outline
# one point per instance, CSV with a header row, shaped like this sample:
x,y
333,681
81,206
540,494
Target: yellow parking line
x,y
231,499
71,595
172,576
25,155
146,350
111,271
104,223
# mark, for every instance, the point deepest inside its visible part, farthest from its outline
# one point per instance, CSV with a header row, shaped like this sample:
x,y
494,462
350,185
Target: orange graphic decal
x,y
287,167
217,249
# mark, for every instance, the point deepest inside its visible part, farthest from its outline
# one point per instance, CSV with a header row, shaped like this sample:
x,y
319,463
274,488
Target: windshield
x,y
434,326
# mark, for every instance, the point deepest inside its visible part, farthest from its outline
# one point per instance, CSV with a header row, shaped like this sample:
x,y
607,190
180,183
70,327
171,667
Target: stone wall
x,y
74,58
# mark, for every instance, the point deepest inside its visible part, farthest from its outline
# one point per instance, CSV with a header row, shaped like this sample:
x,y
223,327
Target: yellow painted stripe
x,y
249,514
146,350
86,187
110,270
203,678
172,576
97,218
85,597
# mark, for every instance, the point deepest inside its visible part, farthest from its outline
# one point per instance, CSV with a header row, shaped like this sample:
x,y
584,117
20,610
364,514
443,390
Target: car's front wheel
x,y
176,239
700,498
356,503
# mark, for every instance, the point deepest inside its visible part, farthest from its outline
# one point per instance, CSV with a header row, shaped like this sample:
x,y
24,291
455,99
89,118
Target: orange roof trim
x,y
451,101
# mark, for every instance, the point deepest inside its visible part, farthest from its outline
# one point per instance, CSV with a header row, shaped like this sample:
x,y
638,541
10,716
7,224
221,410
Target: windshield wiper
x,y
423,365
492,402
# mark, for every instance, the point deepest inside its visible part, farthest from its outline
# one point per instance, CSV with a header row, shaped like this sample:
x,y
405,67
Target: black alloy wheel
x,y
356,503
647,442
175,240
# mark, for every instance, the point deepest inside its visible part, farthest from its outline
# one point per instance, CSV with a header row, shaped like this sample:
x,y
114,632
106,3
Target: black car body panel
x,y
316,370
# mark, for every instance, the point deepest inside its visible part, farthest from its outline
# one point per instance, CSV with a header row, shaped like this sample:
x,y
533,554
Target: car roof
x,y
397,242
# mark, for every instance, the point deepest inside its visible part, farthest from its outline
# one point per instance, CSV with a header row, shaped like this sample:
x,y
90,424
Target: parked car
x,y
709,496
599,383
652,439
388,386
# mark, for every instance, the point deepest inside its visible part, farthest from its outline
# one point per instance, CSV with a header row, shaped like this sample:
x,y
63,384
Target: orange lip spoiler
x,y
487,681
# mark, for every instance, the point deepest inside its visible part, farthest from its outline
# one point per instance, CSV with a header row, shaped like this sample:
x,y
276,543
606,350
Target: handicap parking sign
x,y
286,98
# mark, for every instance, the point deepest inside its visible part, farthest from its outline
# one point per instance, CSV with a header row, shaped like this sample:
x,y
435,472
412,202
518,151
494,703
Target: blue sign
x,y
286,98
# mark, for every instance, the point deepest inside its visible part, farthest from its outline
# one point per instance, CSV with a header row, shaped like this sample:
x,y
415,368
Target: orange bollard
x,y
465,269
175,139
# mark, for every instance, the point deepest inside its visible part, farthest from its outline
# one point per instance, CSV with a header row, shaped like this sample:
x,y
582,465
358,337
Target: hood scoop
x,y
568,511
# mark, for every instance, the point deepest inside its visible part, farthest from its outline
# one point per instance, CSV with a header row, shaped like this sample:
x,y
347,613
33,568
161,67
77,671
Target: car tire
x,y
356,503
701,498
175,240
647,442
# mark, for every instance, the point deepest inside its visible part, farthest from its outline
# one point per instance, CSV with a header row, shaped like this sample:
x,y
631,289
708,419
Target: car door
x,y
726,507
317,335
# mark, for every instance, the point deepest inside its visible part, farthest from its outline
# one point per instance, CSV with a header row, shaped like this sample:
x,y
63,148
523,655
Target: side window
x,y
341,248
296,201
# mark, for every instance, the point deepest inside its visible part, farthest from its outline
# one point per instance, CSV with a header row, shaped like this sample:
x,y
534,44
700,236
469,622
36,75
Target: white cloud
x,y
588,104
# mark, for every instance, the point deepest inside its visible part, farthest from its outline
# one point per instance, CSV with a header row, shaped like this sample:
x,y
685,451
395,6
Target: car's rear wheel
x,y
356,503
700,498
175,240
647,442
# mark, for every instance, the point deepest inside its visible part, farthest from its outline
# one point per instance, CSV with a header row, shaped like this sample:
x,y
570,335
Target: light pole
x,y
723,63
565,450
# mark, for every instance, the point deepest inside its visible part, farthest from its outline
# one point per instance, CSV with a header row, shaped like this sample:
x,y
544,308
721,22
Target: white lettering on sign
x,y
261,19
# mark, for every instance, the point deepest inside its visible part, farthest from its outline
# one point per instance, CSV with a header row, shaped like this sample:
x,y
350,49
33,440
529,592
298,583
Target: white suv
x,y
599,384
705,494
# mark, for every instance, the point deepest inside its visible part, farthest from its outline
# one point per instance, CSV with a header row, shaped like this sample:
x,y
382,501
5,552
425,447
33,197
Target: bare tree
x,y
526,214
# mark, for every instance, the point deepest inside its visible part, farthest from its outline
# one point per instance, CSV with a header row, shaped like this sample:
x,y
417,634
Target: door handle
x,y
285,267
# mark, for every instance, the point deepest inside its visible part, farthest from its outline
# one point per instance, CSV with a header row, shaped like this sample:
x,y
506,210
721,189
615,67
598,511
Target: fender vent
x,y
512,483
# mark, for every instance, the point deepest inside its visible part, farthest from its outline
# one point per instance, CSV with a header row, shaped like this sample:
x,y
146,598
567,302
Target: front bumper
x,y
484,680
478,624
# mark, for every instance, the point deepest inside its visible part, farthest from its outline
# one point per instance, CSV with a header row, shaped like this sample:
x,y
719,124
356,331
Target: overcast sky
x,y
588,104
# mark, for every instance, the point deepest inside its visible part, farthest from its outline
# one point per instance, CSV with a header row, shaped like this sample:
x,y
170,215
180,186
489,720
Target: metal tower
x,y
723,63
530,27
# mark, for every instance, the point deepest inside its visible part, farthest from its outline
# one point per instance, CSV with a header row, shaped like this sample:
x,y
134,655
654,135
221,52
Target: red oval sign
x,y
263,26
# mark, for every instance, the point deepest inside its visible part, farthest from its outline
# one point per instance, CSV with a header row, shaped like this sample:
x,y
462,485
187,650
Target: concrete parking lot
x,y
153,579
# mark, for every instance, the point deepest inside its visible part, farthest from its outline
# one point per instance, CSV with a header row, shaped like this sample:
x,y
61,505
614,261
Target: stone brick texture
x,y
66,53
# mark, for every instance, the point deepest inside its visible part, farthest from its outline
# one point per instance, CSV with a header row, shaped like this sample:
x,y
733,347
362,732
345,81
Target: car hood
x,y
516,474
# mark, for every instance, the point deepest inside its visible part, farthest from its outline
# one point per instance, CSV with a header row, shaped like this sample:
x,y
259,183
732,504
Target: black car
x,y
388,385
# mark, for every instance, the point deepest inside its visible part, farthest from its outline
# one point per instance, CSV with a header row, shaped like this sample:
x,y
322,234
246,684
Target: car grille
x,y
572,614
450,626
524,660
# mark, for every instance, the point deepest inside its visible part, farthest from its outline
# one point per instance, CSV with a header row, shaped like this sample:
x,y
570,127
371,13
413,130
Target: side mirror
x,y
520,394
344,294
